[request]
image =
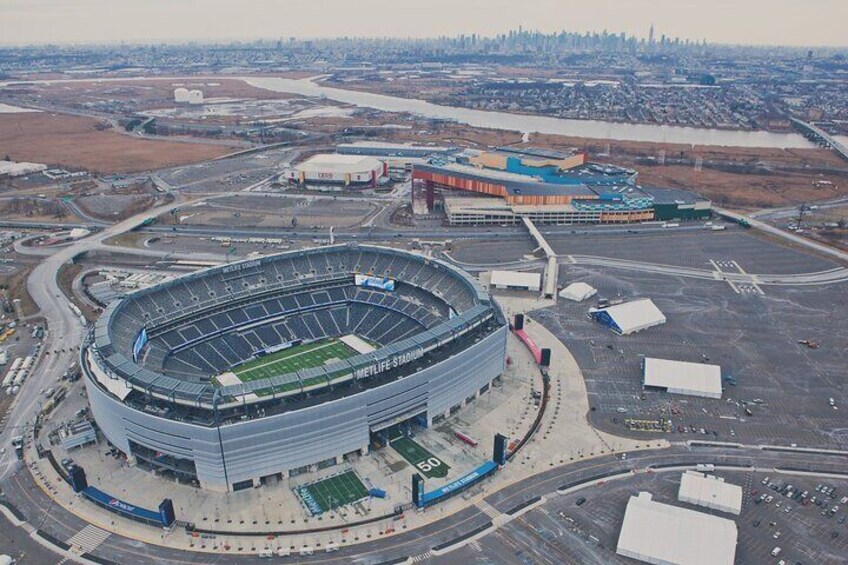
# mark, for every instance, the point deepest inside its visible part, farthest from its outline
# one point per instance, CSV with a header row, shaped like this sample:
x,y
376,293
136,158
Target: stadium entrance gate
x,y
387,430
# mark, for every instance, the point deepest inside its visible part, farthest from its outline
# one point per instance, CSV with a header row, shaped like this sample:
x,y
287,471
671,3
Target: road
x,y
427,540
804,242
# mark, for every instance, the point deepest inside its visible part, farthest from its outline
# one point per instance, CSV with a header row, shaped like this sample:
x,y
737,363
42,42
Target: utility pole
x,y
801,209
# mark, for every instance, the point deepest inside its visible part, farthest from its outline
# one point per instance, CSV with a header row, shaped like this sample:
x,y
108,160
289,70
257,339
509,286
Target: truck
x,y
18,444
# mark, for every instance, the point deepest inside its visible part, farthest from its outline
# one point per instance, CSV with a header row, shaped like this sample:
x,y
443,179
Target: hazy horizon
x,y
790,23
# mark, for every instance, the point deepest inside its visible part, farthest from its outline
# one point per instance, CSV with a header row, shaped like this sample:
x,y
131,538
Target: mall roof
x,y
681,377
671,195
660,533
710,491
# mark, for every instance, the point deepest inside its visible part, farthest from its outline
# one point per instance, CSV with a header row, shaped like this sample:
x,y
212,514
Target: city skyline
x,y
753,22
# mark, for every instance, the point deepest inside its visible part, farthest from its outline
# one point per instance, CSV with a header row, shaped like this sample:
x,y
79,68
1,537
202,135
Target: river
x,y
541,124
501,120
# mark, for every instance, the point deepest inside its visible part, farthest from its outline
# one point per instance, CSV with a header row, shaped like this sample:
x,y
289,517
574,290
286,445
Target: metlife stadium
x,y
265,368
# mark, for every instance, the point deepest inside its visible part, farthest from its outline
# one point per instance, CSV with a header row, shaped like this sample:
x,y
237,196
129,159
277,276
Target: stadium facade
x,y
161,365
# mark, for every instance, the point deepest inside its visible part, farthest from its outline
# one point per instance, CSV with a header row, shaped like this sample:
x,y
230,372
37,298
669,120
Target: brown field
x,y
141,94
78,142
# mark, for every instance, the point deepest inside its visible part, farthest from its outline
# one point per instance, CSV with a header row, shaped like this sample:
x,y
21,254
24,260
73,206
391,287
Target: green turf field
x,y
424,461
294,359
332,492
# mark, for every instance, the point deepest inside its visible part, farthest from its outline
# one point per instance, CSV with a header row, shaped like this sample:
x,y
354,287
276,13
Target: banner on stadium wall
x,y
382,283
118,506
140,342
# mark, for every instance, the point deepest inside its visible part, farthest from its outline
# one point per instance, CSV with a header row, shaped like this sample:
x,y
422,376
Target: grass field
x,y
430,465
294,359
332,492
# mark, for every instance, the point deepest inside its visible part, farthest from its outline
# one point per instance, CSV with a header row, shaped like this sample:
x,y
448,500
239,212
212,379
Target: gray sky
x,y
775,22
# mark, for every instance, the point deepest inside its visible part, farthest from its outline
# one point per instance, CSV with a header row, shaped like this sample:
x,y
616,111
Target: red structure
x,y
531,345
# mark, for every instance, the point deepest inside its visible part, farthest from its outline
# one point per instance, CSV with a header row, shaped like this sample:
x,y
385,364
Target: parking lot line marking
x,y
721,273
753,278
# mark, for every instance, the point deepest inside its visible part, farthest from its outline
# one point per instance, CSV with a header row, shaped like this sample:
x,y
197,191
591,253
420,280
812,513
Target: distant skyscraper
x,y
651,34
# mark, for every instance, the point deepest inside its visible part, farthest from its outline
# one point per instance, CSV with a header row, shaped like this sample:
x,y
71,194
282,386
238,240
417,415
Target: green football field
x,y
427,463
332,492
294,359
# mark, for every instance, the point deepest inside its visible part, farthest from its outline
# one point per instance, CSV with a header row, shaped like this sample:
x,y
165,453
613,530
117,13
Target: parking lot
x,y
783,387
561,531
694,249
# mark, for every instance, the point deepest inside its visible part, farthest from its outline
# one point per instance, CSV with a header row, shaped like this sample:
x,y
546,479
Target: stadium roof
x,y
338,163
710,491
631,316
516,279
577,292
660,533
681,377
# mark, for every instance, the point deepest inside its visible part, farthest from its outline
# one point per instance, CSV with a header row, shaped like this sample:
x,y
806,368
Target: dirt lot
x,y
115,207
78,142
16,285
141,94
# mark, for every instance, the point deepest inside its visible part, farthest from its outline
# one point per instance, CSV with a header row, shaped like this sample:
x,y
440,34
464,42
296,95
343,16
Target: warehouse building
x,y
681,377
662,534
629,317
710,491
676,204
333,169
513,280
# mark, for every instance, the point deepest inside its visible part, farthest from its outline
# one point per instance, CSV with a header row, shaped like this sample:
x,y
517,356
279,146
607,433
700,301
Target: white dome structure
x,y
181,95
195,97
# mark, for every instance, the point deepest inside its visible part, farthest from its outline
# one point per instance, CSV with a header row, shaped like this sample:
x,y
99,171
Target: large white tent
x,y
669,535
681,377
630,317
710,491
517,280
578,292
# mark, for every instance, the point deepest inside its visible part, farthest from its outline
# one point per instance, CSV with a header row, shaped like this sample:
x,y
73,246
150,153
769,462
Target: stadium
x,y
268,368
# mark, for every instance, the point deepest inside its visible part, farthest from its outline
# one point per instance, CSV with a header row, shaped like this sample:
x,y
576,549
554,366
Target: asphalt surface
x,y
429,539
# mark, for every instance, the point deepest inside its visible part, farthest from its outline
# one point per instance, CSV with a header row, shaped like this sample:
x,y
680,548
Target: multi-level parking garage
x,y
154,361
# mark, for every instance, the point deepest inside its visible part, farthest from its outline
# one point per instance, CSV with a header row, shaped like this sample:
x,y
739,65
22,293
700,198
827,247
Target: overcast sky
x,y
773,22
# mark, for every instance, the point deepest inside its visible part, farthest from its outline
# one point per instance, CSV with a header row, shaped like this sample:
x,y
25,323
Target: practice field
x,y
332,492
420,458
294,359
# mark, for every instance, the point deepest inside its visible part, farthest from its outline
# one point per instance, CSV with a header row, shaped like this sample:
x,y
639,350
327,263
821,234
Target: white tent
x,y
681,377
516,280
710,491
578,292
630,317
660,533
